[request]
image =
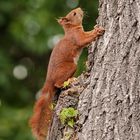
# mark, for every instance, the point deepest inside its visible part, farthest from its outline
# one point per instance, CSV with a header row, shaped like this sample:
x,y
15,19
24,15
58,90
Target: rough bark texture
x,y
68,98
109,102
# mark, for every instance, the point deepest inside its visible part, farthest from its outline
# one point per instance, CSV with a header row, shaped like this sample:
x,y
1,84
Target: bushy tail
x,y
41,119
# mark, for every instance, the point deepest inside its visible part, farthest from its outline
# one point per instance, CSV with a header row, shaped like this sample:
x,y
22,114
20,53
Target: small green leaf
x,y
51,106
66,83
67,136
71,123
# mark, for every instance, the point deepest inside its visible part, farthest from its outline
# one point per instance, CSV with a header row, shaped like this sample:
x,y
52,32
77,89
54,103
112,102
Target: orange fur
x,y
40,121
62,66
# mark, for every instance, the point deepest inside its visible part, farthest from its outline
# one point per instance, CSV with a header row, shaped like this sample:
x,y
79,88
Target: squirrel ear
x,y
63,21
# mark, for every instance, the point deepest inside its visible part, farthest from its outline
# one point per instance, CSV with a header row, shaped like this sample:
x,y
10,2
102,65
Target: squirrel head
x,y
74,18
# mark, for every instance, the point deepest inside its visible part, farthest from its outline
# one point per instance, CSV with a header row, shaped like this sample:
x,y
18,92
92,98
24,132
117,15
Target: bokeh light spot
x,y
72,3
20,72
54,40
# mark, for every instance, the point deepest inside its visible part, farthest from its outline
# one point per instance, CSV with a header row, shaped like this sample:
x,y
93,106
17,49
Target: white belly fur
x,y
77,57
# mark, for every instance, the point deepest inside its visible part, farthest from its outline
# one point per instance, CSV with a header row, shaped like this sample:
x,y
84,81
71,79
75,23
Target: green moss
x,y
67,136
68,115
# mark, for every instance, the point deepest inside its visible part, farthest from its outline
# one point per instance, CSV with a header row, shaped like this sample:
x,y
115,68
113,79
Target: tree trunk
x,y
109,101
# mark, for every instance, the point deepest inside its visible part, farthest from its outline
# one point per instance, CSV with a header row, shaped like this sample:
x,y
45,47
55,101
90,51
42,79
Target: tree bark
x,y
108,97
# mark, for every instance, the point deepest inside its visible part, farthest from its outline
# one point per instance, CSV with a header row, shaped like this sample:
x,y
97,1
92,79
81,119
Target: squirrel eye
x,y
74,13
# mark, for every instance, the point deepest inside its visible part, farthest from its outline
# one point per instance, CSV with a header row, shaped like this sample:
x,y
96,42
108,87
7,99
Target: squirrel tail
x,y
41,119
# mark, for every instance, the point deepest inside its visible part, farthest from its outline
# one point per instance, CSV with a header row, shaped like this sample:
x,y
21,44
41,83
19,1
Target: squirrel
x,y
62,66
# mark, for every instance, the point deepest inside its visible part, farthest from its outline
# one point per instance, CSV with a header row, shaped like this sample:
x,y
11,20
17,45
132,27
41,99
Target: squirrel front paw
x,y
100,30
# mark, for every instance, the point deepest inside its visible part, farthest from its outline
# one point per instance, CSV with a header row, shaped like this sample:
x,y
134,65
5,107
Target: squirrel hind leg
x,y
57,93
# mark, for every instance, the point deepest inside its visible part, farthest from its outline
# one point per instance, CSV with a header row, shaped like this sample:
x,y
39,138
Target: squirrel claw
x,y
72,79
99,29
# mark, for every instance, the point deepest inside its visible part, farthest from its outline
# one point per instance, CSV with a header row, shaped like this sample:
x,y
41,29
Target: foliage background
x,y
28,31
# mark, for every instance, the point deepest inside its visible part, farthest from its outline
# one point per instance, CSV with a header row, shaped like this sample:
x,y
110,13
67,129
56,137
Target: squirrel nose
x,y
79,9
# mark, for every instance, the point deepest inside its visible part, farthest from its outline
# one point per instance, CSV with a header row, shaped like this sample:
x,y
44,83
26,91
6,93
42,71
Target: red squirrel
x,y
62,66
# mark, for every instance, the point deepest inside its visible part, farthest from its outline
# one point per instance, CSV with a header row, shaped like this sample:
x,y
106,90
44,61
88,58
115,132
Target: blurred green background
x,y
28,32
